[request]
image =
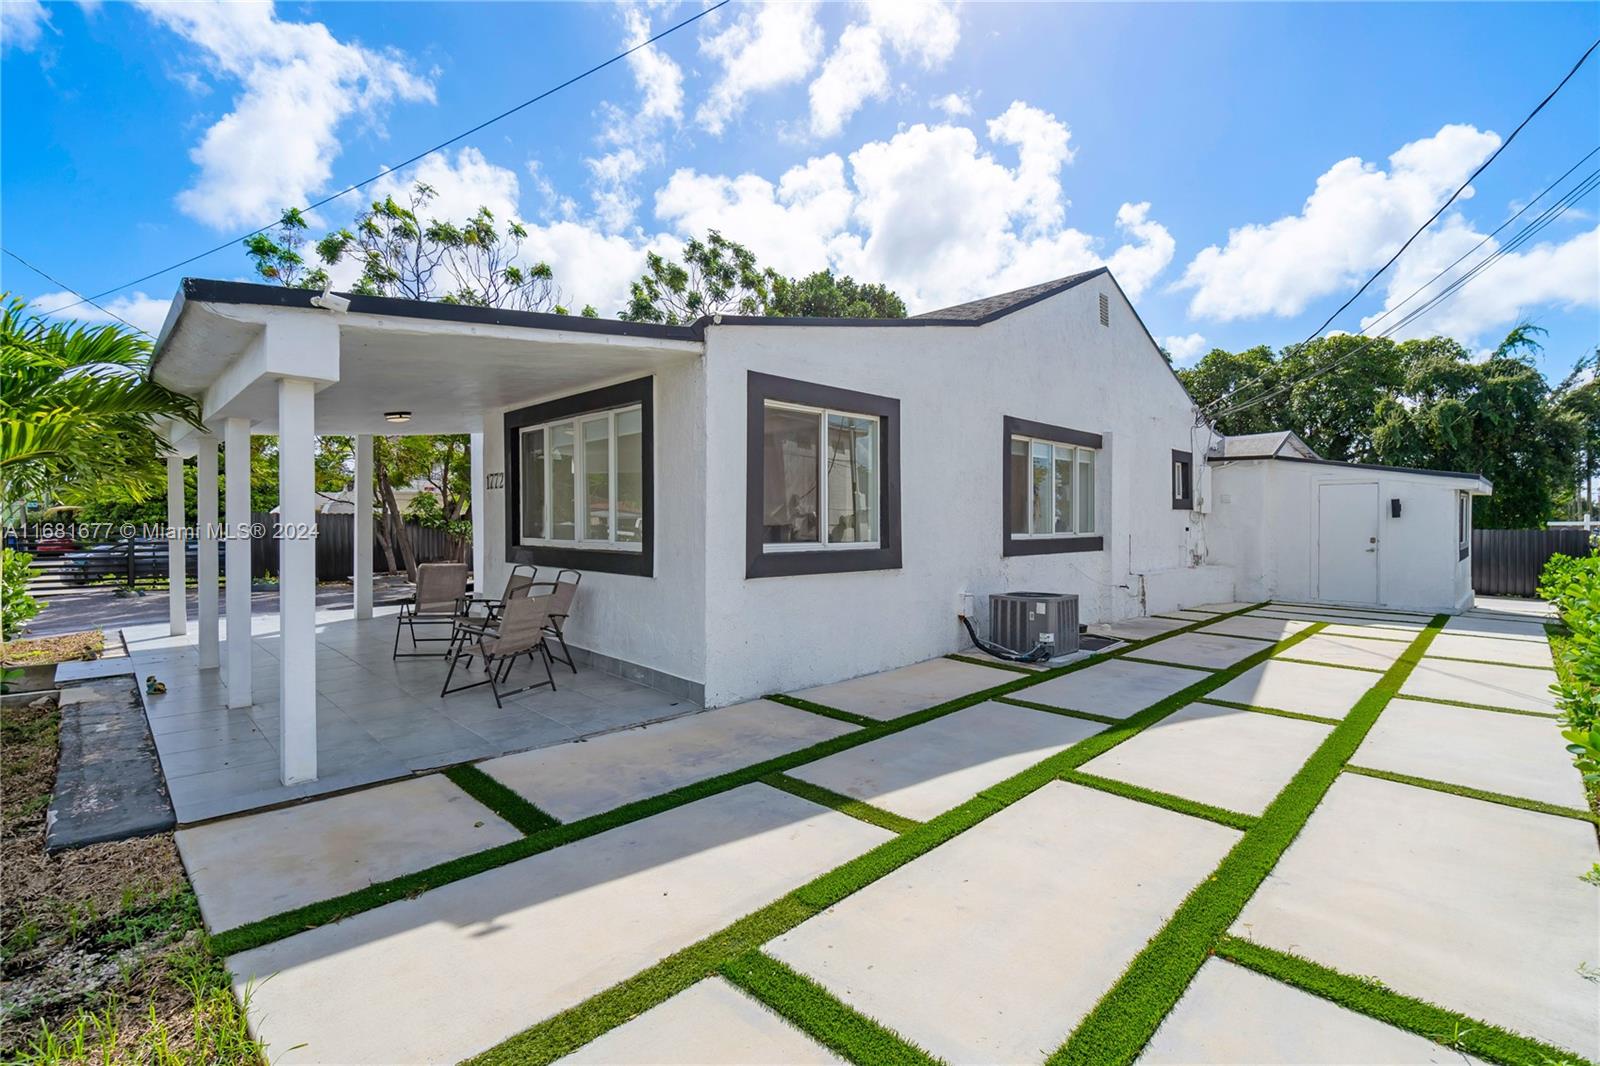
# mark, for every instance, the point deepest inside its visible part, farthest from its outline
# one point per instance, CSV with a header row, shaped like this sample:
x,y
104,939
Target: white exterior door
x,y
1347,542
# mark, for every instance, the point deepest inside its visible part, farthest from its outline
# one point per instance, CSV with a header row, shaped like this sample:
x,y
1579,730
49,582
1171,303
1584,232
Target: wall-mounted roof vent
x,y
1105,310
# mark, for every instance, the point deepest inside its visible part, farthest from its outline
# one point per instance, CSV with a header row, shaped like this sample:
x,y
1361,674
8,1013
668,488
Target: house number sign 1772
x,y
496,480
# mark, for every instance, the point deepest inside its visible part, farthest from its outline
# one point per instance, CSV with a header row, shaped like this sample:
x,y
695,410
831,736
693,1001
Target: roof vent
x,y
1105,310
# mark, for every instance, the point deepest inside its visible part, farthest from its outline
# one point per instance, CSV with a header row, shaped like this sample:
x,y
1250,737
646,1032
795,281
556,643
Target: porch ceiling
x,y
446,373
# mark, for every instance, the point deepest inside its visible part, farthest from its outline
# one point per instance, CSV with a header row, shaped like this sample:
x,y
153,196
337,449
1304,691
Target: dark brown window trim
x,y
640,563
1184,503
761,563
1064,544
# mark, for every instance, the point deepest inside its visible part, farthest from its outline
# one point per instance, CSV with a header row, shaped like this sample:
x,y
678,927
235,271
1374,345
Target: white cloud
x,y
300,86
22,23
925,31
765,48
1563,273
1184,350
614,175
145,312
632,134
460,186
1354,220
954,105
660,80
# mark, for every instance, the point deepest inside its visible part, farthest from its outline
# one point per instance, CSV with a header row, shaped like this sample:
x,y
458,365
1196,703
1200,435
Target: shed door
x,y
1347,542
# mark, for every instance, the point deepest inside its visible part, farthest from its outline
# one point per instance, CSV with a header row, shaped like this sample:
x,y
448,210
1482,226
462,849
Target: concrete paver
x,y
572,781
909,688
1490,684
1491,625
1491,649
1115,688
259,865
932,767
1138,628
1327,691
1233,1015
1186,615
1347,651
1373,631
1212,651
1474,906
992,947
1255,626
1238,760
1507,753
458,969
708,1024
1220,608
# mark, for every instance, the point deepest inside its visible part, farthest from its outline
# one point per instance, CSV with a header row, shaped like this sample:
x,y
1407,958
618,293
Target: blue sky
x,y
1241,167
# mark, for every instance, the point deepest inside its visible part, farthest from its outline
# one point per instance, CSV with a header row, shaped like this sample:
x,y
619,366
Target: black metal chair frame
x,y
497,667
410,617
558,620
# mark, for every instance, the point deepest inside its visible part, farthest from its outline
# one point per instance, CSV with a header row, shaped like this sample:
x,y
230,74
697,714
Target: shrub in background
x,y
1573,586
16,606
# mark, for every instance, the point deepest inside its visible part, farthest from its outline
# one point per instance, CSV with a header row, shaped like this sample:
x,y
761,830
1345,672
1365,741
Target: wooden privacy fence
x,y
1507,562
336,547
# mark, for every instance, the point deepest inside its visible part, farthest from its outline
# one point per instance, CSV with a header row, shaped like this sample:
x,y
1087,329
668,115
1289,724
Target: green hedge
x,y
1573,586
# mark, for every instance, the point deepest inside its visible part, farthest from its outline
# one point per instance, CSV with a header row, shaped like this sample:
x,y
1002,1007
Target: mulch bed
x,y
61,648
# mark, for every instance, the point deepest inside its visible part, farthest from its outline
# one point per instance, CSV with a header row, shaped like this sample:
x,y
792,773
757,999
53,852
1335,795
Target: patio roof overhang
x,y
229,343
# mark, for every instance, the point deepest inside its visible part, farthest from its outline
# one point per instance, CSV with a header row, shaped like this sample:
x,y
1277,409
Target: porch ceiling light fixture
x,y
397,416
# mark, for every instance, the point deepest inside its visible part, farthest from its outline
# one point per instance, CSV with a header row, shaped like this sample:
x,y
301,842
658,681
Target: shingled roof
x,y
994,306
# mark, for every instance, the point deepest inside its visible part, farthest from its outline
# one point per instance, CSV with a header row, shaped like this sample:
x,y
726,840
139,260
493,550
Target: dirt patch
x,y
62,648
102,953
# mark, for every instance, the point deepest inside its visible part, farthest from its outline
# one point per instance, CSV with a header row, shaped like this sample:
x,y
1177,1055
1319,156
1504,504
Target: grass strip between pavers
x,y
1064,711
1180,666
995,664
1193,808
1334,666
1258,709
855,808
823,709
1469,792
1125,1018
276,927
1482,707
816,1012
1456,1031
1491,662
526,817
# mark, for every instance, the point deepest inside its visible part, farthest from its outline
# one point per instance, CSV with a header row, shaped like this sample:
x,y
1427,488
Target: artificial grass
x,y
526,817
1193,808
855,808
1483,707
1488,662
1064,711
997,664
822,709
1454,1030
814,1011
1124,1019
1258,709
1467,791
1180,666
1335,666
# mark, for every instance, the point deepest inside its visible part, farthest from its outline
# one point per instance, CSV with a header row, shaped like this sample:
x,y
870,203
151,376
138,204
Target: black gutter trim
x,y
1350,466
205,290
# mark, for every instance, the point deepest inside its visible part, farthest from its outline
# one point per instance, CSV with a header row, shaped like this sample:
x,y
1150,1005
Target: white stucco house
x,y
763,504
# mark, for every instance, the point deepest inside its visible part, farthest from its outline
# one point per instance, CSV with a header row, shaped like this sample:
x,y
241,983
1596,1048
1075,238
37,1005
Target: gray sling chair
x,y
519,583
440,600
561,592
518,631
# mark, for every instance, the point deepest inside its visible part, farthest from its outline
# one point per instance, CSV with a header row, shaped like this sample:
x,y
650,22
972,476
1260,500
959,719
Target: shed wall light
x,y
397,416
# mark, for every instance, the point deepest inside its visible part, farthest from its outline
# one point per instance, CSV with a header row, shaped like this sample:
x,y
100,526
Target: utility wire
x,y
406,162
1522,236
82,299
1442,207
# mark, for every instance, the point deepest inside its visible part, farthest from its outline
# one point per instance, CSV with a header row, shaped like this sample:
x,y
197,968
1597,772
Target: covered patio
x,y
313,701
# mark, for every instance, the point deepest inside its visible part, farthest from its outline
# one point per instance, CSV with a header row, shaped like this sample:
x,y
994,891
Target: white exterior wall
x,y
1052,362
650,621
1266,525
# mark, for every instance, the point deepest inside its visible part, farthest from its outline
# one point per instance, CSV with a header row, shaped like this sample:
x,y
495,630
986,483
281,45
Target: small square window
x,y
1182,481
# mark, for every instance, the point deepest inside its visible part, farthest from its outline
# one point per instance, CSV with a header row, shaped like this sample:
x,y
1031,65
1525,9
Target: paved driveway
x,y
1290,840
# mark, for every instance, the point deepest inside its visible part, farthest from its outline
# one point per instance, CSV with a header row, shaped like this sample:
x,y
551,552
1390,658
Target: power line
x,y
1442,207
406,162
1549,215
82,299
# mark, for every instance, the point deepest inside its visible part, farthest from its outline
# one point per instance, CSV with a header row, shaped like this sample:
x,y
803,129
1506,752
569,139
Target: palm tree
x,y
78,410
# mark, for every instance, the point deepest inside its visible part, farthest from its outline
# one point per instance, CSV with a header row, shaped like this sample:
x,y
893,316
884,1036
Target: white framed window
x,y
1464,522
1052,489
819,478
583,481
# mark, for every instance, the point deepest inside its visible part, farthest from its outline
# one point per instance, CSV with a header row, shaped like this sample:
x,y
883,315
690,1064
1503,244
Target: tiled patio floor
x,y
378,718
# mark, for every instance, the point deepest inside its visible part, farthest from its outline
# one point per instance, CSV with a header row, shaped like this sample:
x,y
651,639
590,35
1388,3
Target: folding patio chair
x,y
440,600
519,631
561,594
520,582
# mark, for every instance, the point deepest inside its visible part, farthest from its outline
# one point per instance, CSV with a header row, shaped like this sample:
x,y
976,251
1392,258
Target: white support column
x,y
236,441
177,584
480,526
205,486
362,531
297,582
